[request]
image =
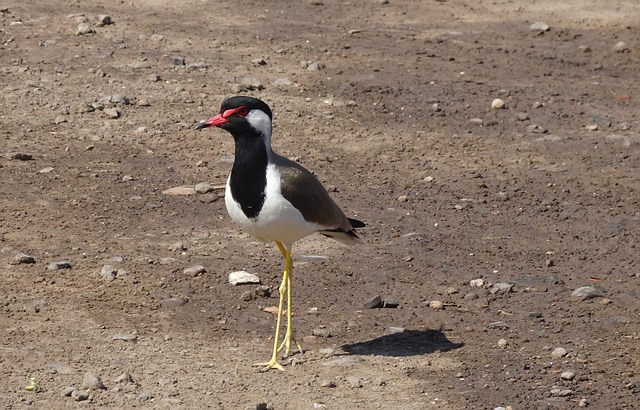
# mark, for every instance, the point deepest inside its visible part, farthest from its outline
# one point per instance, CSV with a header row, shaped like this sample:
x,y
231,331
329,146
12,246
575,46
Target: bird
x,y
275,199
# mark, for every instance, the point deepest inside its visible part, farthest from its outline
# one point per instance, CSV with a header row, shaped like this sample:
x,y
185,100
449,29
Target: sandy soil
x,y
540,197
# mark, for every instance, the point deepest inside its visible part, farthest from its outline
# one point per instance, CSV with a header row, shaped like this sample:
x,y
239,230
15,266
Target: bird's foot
x,y
271,364
286,344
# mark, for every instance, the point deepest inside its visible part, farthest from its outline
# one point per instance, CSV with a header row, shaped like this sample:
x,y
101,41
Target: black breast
x,y
249,175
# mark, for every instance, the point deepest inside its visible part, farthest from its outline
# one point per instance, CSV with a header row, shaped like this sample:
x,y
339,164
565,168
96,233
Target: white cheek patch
x,y
260,121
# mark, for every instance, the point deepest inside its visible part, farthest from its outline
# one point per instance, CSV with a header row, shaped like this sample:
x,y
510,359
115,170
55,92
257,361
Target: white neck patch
x,y
261,122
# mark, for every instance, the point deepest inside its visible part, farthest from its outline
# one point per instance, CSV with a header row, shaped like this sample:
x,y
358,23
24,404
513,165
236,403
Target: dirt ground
x,y
390,104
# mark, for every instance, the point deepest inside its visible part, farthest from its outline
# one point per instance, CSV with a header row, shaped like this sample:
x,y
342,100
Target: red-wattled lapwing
x,y
275,199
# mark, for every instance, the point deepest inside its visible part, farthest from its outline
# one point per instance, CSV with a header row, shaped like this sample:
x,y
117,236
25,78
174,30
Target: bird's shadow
x,y
405,343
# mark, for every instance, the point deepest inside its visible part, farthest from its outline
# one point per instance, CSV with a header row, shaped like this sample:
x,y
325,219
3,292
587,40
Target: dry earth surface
x,y
482,222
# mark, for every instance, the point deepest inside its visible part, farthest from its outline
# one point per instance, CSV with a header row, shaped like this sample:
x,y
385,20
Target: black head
x,y
241,115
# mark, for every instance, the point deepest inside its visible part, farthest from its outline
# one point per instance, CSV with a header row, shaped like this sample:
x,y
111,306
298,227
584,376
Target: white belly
x,y
278,219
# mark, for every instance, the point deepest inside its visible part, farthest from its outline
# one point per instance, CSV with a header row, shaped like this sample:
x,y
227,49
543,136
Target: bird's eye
x,y
243,111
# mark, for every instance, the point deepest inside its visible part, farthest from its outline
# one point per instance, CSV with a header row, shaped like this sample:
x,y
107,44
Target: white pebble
x,y
502,343
558,352
476,283
242,277
497,104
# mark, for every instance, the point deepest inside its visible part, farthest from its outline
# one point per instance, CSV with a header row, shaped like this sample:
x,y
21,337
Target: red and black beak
x,y
216,121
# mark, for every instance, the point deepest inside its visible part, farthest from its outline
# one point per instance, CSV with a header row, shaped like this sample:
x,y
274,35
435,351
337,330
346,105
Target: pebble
x,y
620,47
436,107
108,273
315,66
321,332
476,121
522,116
45,170
124,378
501,287
252,83
498,104
156,37
394,329
502,343
112,113
79,395
243,277
373,303
68,390
354,382
282,82
19,156
403,198
177,246
127,337
540,26
584,48
105,20
174,302
536,129
23,258
59,265
436,304
390,303
194,271
180,190
476,283
583,402
567,376
559,352
92,381
498,325
586,292
328,383
84,28
203,187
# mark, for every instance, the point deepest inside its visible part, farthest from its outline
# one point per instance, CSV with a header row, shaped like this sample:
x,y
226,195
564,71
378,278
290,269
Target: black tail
x,y
356,223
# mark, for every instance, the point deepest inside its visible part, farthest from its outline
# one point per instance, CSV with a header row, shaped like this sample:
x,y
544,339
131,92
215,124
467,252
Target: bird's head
x,y
242,116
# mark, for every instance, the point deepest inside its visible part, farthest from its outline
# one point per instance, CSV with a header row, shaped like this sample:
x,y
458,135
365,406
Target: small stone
x,y
177,247
565,393
428,179
502,343
498,104
591,127
498,325
436,107
586,292
59,265
67,391
19,156
112,113
403,198
45,170
179,61
84,28
60,119
501,287
242,278
567,376
282,82
583,402
620,47
321,332
354,382
390,303
394,329
476,283
315,66
522,116
79,395
194,271
124,378
126,337
104,20
559,352
476,121
436,304
373,303
174,302
252,83
156,37
536,129
203,187
108,273
328,383
259,61
180,190
471,296
23,259
92,381
584,48
540,26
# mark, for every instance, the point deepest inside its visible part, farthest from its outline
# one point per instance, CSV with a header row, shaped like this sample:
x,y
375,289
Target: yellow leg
x,y
289,335
285,288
